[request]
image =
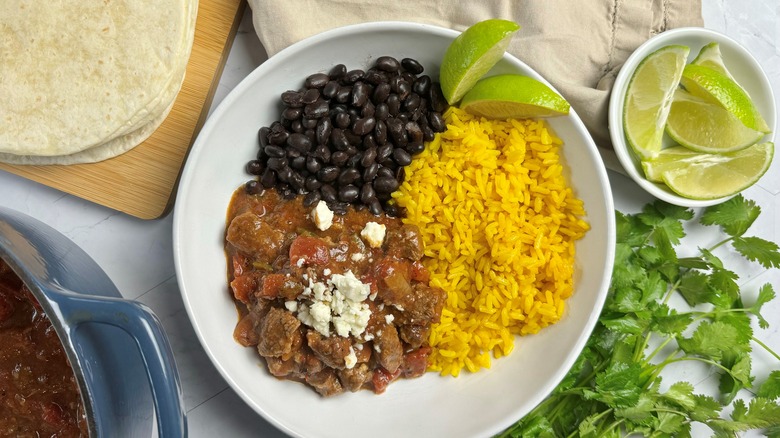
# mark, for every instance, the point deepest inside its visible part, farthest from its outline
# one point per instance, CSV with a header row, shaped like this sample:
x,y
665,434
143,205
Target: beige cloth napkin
x,y
578,46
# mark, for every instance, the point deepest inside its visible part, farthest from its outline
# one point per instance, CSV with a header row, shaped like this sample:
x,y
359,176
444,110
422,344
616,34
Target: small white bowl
x,y
741,64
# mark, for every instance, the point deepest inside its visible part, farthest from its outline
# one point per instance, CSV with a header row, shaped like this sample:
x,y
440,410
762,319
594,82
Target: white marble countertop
x,y
137,254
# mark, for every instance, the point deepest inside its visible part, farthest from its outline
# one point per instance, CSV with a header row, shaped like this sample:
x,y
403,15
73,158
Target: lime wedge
x,y
709,56
472,54
711,176
513,97
703,126
716,87
649,96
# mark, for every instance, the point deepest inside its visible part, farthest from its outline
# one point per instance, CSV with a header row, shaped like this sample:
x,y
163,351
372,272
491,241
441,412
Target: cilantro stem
x,y
765,347
721,243
658,349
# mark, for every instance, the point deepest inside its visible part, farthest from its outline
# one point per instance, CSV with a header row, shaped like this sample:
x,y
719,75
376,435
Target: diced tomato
x,y
243,286
239,264
271,285
416,362
382,378
311,250
420,273
244,333
389,265
53,414
370,280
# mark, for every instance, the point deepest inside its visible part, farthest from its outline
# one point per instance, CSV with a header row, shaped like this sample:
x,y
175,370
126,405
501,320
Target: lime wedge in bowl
x,y
704,126
716,87
710,176
710,56
649,96
472,54
513,97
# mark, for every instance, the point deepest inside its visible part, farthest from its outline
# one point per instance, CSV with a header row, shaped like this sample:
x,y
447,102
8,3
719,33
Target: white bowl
x,y
479,404
741,64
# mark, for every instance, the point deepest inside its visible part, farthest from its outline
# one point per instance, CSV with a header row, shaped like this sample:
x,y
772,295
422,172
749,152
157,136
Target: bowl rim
x,y
180,226
625,156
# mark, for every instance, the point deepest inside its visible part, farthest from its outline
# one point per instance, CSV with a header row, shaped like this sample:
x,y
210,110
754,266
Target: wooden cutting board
x,y
142,182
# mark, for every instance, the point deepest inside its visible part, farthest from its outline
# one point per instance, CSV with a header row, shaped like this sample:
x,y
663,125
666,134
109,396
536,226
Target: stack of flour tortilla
x,y
85,81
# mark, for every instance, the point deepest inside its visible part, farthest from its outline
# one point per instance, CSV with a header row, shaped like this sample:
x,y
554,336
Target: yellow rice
x,y
499,223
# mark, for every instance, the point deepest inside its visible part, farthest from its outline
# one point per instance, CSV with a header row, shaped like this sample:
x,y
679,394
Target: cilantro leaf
x,y
694,287
760,413
735,216
681,394
758,250
617,386
724,283
707,408
765,294
711,340
770,389
669,321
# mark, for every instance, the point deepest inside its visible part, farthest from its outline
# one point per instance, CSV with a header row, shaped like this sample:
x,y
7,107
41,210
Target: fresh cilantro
x,y
614,387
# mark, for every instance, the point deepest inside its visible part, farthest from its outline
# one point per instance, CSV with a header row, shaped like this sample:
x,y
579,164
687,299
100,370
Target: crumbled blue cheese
x,y
341,301
323,217
389,318
292,306
374,234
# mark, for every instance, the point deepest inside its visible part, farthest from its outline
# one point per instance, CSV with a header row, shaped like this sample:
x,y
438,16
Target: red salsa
x,y
338,302
39,396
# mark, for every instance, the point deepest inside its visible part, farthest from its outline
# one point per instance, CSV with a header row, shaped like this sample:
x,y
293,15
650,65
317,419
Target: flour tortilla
x,y
107,150
79,75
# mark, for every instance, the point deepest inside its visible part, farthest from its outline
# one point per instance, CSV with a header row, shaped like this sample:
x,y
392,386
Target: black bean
x,y
298,163
352,138
353,76
404,90
402,157
370,173
255,167
369,141
311,198
339,208
422,85
414,132
274,151
412,102
374,77
436,122
369,155
297,181
381,112
312,164
359,94
317,109
337,72
338,139
342,96
292,98
394,210
323,131
388,63
348,193
393,105
286,191
343,120
363,126
317,80
385,184
395,128
309,123
354,160
375,207
348,176
268,180
400,174
380,132
385,172
384,151
415,148
368,109
438,103
381,92
328,193
253,187
293,153
428,134
277,135
312,183
328,174
412,66
284,174
299,142
262,136
310,96
330,89
339,158
367,193
296,126
322,153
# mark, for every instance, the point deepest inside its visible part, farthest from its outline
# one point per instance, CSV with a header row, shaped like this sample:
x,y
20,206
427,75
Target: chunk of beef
x,y
388,348
290,289
413,334
281,368
325,382
277,333
422,306
250,234
405,242
331,350
353,379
